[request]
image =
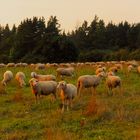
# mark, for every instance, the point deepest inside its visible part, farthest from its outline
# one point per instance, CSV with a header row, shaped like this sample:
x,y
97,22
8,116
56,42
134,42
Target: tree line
x,y
34,40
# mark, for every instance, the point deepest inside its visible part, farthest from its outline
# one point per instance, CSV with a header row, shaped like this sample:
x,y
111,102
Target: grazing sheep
x,y
65,71
130,68
7,76
113,82
119,66
10,65
40,66
113,69
86,81
2,65
40,77
43,87
32,66
67,93
20,77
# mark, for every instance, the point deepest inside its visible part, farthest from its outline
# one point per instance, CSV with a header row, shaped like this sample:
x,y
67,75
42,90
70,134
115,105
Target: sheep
x,y
20,77
86,81
32,66
7,76
21,65
110,73
113,81
42,87
2,65
40,77
40,66
10,65
65,71
113,69
130,68
67,93
119,66
99,70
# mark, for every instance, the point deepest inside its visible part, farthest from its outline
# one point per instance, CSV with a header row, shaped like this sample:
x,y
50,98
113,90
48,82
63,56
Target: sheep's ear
x,y
30,81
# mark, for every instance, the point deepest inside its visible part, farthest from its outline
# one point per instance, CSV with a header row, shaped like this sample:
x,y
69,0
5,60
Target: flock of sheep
x,y
47,84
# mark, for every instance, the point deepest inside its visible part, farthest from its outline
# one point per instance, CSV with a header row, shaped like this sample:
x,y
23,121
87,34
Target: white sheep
x,y
20,77
113,82
43,87
130,68
2,65
40,66
99,70
7,76
40,77
65,71
10,65
67,93
89,81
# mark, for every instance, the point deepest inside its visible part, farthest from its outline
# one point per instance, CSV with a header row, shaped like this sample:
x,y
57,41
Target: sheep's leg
x,y
53,98
36,99
79,91
94,91
120,90
67,103
63,107
71,103
110,92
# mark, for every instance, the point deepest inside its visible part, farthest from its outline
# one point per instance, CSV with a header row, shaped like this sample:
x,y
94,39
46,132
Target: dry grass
x,y
56,134
18,96
18,135
2,90
138,134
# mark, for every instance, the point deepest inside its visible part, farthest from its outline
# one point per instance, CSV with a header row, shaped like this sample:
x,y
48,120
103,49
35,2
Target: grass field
x,y
102,117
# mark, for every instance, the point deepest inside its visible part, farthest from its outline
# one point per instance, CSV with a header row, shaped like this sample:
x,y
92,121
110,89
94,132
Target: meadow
x,y
99,117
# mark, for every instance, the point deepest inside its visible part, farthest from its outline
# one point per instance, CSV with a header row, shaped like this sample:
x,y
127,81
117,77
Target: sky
x,y
70,13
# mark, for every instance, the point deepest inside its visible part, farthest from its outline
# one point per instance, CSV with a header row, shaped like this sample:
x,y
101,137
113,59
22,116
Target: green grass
x,y
102,118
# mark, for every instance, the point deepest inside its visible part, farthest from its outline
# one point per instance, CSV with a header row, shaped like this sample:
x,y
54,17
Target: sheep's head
x,y
33,74
102,74
61,85
33,82
110,73
3,83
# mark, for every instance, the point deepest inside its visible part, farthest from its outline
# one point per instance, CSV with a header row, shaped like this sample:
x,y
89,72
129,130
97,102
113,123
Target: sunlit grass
x,y
100,118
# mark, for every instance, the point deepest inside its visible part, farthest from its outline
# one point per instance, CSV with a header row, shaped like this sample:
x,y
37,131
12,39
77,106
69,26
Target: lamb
x,y
40,77
65,71
113,82
86,81
43,87
67,93
7,76
20,77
